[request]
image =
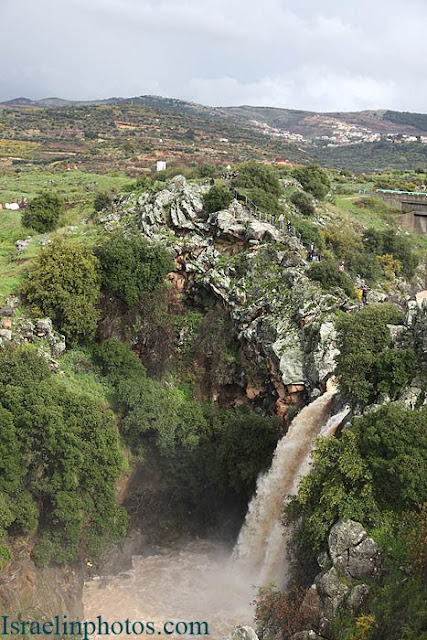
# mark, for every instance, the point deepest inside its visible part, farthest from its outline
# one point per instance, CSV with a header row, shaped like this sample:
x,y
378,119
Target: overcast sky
x,y
305,54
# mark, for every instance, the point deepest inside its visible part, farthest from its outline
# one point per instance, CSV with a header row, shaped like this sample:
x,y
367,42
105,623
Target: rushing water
x,y
202,581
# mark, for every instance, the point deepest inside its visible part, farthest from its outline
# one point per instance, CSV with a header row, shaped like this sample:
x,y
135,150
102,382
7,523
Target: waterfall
x,y
201,581
262,542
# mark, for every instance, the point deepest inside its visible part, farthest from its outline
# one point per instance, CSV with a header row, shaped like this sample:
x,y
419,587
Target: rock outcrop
x,y
22,330
37,592
243,633
353,563
283,319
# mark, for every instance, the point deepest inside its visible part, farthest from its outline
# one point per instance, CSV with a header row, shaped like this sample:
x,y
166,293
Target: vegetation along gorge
x,y
213,368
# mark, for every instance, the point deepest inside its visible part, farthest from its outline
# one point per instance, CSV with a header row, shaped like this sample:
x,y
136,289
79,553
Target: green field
x,y
78,190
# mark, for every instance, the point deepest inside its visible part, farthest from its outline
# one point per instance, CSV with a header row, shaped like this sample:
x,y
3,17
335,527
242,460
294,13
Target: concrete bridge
x,y
405,201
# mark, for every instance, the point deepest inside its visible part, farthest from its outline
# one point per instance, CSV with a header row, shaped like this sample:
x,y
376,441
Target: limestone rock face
x,y
355,554
49,591
343,535
243,633
284,321
289,351
332,592
354,557
179,204
326,351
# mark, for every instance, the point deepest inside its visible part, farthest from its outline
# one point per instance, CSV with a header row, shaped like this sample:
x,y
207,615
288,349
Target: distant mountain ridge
x,y
294,120
142,126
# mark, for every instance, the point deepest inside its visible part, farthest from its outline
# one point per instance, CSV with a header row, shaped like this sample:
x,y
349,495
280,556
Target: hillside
x,y
132,132
159,338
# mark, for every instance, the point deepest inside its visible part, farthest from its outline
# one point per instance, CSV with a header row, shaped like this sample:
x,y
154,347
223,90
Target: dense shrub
x,y
217,198
378,465
254,175
329,276
102,201
348,246
60,461
387,242
368,365
313,179
308,232
43,212
205,452
64,284
303,203
131,268
265,201
207,171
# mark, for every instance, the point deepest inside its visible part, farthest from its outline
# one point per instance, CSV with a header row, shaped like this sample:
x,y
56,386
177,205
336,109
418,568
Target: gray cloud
x,y
329,55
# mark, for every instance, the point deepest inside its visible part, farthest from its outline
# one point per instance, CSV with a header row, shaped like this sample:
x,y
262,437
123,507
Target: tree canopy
x,y
64,284
131,268
43,212
60,461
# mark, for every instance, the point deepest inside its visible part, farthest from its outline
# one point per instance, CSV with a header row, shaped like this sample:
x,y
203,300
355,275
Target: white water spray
x,y
262,543
201,582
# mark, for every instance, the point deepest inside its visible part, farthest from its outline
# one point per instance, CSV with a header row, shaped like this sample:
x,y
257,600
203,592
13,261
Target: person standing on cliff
x,y
365,290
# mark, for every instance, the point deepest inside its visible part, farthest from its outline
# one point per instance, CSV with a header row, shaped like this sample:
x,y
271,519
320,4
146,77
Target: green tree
x,y
368,364
264,200
388,242
131,268
64,284
207,170
61,459
254,175
303,203
43,212
313,179
217,198
378,465
102,201
329,276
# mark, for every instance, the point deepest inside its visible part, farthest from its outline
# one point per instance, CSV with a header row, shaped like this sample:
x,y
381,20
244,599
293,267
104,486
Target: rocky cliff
x,y
283,319
35,592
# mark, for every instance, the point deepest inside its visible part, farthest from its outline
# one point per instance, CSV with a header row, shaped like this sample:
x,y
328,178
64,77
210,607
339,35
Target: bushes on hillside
x,y
43,212
217,198
329,276
60,461
348,246
261,184
254,175
376,474
303,203
348,483
313,179
102,201
378,465
368,365
205,452
131,268
64,284
265,201
387,242
308,232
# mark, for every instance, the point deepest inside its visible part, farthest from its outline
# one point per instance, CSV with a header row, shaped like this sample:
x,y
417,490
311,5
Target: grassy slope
x,y
75,186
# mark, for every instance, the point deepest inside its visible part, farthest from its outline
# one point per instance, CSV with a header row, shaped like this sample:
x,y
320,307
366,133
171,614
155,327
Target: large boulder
x,y
332,592
288,350
353,553
243,633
